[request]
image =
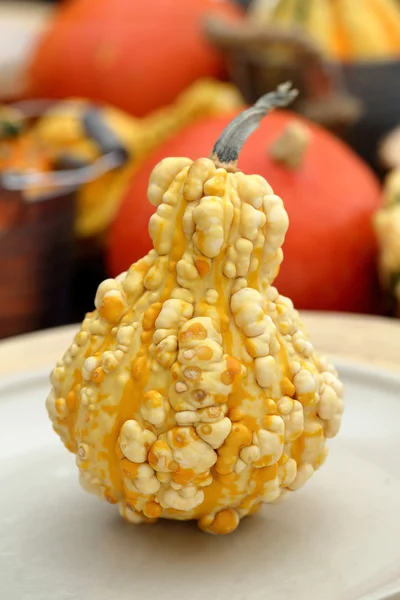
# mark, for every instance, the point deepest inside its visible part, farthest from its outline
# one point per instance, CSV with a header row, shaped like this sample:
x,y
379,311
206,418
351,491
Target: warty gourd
x,y
192,391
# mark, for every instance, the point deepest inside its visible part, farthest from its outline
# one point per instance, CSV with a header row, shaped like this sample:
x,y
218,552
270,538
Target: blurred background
x,y
94,93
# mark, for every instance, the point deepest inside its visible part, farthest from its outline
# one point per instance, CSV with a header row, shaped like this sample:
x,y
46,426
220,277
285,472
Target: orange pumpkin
x,y
330,196
136,56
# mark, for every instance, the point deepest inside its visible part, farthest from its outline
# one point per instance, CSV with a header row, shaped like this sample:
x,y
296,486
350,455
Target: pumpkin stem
x,y
289,149
229,144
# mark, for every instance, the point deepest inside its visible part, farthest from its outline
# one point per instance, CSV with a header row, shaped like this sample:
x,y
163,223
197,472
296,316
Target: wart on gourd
x,y
198,393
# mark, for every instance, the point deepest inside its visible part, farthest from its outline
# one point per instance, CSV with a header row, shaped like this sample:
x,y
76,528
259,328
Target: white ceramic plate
x,y
337,539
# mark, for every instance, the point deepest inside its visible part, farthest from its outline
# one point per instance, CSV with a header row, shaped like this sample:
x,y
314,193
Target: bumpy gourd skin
x,y
192,391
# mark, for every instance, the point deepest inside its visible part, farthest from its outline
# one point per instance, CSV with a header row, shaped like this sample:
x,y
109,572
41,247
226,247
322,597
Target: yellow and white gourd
x,y
344,29
192,391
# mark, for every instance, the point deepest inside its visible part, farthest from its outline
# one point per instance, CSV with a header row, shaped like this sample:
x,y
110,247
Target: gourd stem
x,y
290,147
229,144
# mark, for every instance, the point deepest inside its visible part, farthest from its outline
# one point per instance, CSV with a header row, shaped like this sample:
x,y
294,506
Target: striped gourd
x,y
344,29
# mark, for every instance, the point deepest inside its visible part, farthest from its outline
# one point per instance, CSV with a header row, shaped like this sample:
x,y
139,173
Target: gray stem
x,y
232,139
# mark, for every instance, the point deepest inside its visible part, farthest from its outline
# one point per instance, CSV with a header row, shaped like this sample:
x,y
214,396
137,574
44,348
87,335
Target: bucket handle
x,y
114,155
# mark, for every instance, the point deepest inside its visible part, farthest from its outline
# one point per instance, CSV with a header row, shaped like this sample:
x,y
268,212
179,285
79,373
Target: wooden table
x,y
358,339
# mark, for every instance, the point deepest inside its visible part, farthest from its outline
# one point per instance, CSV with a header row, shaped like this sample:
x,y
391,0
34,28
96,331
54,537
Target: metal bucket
x,y
36,254
260,58
37,236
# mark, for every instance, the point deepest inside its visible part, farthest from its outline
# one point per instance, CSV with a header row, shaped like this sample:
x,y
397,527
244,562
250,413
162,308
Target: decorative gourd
x,y
330,249
387,228
343,29
192,391
60,133
389,150
136,56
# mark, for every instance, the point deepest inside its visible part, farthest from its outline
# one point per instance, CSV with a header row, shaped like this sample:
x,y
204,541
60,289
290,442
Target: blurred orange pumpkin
x,y
329,194
137,56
